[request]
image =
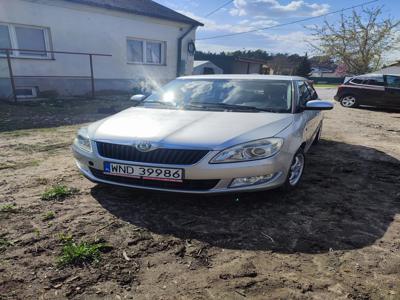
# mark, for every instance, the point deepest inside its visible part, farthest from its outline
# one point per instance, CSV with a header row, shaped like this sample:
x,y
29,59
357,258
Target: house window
x,y
153,52
25,38
31,38
135,51
146,52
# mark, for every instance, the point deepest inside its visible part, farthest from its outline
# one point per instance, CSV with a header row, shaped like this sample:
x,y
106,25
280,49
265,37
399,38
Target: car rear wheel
x,y
349,101
295,171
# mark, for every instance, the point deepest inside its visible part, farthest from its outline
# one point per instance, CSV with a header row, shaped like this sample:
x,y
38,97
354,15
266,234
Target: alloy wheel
x,y
348,101
296,169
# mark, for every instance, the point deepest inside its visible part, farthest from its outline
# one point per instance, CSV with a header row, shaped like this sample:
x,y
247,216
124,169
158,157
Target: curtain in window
x,y
5,41
153,52
31,38
135,51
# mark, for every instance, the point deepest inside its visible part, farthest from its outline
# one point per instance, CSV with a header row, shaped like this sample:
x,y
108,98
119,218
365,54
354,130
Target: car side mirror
x,y
138,97
318,105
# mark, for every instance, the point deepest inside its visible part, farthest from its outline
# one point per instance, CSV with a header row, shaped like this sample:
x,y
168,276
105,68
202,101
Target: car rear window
x,y
378,80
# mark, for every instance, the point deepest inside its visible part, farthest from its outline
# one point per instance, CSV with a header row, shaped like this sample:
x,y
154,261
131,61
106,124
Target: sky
x,y
242,15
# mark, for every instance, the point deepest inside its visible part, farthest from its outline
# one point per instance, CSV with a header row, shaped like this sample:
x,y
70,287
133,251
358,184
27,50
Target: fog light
x,y
244,181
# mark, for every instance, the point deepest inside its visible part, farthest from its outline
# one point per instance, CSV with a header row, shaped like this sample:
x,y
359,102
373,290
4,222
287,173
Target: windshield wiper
x,y
225,106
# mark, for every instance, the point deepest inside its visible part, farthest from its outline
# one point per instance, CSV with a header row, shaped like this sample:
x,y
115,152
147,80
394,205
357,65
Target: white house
x,y
205,67
323,72
149,43
392,69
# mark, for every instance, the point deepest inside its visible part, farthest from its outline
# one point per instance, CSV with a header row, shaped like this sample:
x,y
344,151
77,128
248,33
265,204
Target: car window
x,y
357,80
393,81
313,92
271,95
375,81
304,92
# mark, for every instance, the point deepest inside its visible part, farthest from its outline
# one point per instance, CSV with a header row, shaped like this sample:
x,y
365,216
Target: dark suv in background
x,y
370,90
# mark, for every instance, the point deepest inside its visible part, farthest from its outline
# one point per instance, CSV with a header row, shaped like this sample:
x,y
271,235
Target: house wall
x,y
82,28
325,74
394,70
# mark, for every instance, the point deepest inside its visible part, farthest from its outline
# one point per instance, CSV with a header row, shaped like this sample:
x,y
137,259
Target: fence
x,y
327,80
9,57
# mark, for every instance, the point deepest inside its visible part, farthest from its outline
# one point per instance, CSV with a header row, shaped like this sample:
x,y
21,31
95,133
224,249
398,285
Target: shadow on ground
x,y
347,201
380,109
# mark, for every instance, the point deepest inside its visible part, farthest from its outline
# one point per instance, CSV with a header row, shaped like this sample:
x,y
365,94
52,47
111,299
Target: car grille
x,y
157,156
200,185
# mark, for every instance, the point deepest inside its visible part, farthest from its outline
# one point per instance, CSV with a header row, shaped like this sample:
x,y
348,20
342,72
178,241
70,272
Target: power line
x,y
289,23
218,8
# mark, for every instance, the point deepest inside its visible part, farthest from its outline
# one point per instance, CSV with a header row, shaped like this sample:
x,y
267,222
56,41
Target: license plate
x,y
144,172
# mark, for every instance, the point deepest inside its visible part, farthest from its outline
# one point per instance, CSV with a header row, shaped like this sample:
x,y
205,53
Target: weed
x,y
37,232
65,237
80,253
50,215
4,243
8,208
58,192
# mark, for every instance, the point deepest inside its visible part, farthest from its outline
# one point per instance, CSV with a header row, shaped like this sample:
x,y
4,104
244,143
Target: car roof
x,y
245,77
376,75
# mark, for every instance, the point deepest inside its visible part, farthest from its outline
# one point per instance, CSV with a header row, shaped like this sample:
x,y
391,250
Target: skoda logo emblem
x,y
143,146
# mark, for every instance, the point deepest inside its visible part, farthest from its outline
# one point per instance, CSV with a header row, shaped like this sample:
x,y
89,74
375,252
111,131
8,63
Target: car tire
x,y
349,101
296,171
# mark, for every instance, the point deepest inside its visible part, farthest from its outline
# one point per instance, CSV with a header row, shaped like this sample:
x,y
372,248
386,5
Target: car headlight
x,y
82,140
253,150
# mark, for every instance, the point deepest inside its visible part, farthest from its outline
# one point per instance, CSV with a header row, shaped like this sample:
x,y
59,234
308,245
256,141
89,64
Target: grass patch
x,y
58,192
8,208
4,243
326,85
50,215
78,254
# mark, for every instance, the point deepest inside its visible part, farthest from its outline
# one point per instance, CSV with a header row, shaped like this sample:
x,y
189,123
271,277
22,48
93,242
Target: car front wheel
x,y
349,101
295,171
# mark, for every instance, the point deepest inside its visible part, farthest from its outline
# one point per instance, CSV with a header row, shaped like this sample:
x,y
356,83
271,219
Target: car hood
x,y
212,130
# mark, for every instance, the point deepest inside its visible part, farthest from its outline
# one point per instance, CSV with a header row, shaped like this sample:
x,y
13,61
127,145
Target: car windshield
x,y
224,95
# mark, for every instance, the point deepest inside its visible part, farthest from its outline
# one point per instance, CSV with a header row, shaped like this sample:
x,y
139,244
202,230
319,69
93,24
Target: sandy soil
x,y
336,237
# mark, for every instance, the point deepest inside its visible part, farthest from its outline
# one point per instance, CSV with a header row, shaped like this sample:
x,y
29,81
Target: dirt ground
x,y
335,237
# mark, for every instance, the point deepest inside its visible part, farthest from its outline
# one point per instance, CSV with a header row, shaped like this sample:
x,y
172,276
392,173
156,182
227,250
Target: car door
x,y
368,89
392,91
309,116
374,90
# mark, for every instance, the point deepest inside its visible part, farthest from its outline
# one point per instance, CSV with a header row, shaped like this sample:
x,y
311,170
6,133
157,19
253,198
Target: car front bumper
x,y
91,166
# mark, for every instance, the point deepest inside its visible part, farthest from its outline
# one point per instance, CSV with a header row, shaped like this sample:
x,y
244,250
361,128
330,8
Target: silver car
x,y
207,134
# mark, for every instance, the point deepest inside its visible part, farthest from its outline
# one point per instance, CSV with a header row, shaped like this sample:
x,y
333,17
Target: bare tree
x,y
358,41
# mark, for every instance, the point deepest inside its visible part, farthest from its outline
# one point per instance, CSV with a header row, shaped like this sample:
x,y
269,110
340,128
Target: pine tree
x,y
304,67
